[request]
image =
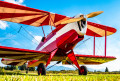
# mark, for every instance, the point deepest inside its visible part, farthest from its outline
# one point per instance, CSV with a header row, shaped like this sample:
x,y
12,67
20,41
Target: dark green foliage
x,y
31,68
106,69
23,67
94,70
7,68
11,67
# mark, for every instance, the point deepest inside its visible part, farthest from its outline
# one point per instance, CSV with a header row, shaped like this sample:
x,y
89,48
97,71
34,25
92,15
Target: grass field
x,y
14,76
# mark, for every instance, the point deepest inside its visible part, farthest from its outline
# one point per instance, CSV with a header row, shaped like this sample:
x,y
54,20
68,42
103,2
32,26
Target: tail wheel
x,y
83,70
41,69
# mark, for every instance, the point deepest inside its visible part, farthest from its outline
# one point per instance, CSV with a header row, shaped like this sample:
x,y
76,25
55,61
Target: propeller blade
x,y
72,20
90,15
93,14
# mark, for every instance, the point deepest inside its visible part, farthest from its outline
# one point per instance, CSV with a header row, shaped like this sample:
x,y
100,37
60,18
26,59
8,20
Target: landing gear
x,y
41,69
83,70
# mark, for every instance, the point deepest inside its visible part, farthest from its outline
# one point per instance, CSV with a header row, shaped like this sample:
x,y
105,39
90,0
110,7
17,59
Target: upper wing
x,y
98,30
29,16
91,59
22,54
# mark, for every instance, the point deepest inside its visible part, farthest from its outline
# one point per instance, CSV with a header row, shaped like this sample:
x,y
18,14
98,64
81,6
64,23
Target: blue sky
x,y
110,17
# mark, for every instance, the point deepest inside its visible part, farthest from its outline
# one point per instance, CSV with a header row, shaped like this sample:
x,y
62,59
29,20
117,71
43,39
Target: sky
x,y
10,37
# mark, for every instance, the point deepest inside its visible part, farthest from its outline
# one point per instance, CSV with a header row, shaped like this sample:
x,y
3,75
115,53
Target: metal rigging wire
x,y
85,41
16,34
14,29
29,34
26,31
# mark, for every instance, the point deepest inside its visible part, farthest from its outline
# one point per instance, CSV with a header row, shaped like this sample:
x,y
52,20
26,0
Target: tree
x,y
106,69
7,68
94,70
23,67
11,67
31,68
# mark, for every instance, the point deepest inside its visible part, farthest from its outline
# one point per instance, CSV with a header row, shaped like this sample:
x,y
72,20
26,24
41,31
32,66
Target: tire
x,y
83,70
41,69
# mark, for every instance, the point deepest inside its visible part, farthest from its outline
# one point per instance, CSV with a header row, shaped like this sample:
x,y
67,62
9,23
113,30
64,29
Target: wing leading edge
x,y
91,59
22,54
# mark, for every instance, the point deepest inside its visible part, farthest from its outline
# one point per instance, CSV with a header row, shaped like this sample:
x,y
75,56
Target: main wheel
x,y
83,70
41,69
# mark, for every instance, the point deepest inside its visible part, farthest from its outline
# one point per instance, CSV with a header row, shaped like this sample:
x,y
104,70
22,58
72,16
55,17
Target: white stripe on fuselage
x,y
62,31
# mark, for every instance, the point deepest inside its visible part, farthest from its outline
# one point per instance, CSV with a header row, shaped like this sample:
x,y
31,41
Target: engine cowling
x,y
82,24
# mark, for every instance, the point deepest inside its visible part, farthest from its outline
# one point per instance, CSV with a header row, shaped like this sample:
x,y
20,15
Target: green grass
x,y
32,76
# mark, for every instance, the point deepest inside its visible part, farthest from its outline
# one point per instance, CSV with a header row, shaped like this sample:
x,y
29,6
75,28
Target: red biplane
x,y
59,44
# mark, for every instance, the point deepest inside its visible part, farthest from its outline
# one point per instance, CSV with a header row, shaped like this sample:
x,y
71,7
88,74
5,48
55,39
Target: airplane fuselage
x,y
63,38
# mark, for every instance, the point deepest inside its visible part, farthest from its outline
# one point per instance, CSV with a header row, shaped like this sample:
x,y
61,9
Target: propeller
x,y
93,14
90,15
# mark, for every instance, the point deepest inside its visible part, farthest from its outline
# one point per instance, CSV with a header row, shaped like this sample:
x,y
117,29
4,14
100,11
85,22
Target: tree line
x,y
23,67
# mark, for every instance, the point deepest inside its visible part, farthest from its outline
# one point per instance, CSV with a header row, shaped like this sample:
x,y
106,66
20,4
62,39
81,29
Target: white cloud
x,y
112,65
15,1
37,39
3,25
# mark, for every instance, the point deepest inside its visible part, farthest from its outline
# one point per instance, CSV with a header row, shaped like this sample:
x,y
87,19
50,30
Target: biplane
x,y
59,44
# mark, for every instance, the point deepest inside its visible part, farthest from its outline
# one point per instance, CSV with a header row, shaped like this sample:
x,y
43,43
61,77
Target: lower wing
x,y
13,62
17,56
21,54
91,59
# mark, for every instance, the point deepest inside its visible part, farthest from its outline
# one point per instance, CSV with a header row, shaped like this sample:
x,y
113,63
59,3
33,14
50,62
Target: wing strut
x,y
51,56
72,57
94,46
51,22
105,42
43,31
105,39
